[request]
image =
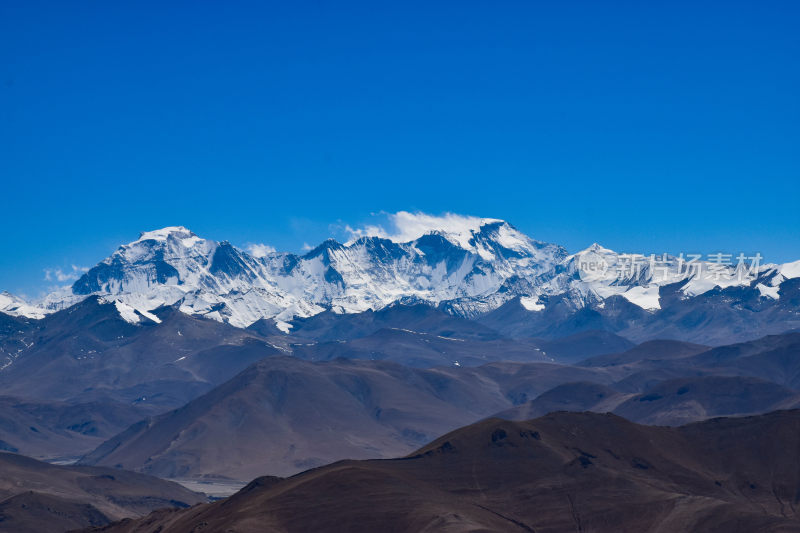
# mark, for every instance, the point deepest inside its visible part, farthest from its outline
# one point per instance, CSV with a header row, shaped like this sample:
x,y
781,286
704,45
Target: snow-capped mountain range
x,y
469,267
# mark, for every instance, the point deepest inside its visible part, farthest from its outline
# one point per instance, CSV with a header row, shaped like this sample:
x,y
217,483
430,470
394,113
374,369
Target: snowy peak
x,y
488,238
789,271
175,232
501,239
464,232
407,227
468,265
15,306
173,266
325,249
602,273
168,256
595,263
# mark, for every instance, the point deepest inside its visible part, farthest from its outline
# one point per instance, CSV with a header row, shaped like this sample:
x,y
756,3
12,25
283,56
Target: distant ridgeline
x,y
484,269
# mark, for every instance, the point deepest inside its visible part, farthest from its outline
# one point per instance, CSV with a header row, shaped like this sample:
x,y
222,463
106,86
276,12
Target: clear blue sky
x,y
644,127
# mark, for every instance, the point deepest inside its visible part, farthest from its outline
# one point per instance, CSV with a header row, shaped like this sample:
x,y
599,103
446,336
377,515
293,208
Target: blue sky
x,y
671,127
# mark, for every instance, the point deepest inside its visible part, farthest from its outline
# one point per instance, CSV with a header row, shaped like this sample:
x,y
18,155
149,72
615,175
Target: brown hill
x,y
655,350
40,497
284,415
680,401
561,472
672,402
578,396
60,430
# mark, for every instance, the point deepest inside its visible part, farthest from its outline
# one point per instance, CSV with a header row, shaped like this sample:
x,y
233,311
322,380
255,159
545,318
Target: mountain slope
x,y
422,350
40,497
81,375
330,326
679,401
656,350
283,415
670,402
576,396
88,351
60,430
562,472
774,357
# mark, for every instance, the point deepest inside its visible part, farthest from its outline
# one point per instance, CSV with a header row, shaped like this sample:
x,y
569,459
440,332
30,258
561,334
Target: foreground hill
x,y
38,497
561,472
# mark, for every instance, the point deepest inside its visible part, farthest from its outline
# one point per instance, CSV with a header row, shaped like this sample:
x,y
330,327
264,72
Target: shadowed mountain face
x,y
423,337
561,472
773,358
330,326
283,415
576,396
38,497
82,375
583,345
671,382
679,401
158,366
33,512
561,318
657,350
720,316
717,317
672,402
423,350
10,325
60,430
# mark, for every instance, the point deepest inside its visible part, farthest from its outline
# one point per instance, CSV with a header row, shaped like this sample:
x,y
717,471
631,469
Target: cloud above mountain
x,y
405,226
260,249
63,275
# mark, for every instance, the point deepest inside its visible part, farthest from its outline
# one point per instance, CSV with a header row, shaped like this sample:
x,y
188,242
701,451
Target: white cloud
x,y
58,274
307,247
367,231
406,226
260,250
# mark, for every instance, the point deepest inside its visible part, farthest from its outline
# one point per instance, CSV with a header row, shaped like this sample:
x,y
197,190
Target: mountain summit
x,y
467,265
